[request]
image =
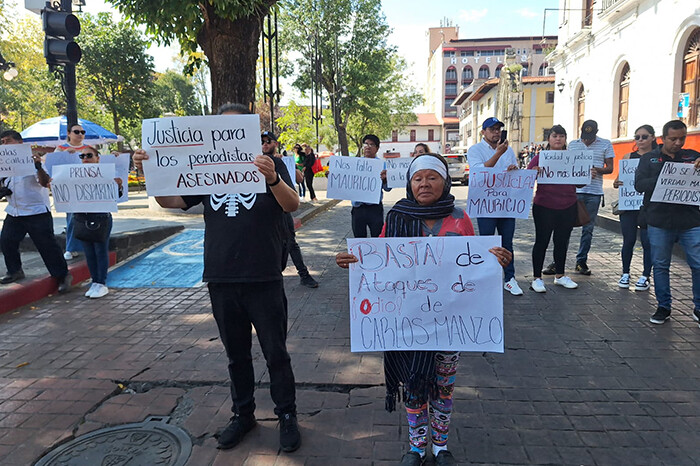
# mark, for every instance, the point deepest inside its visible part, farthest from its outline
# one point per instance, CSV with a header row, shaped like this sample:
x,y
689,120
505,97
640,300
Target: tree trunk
x,y
115,119
231,48
340,129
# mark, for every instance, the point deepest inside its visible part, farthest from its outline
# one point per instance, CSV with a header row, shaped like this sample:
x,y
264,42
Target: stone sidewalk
x,y
585,379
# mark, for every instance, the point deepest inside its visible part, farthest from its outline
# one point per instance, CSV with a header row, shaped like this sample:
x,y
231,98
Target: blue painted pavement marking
x,y
178,263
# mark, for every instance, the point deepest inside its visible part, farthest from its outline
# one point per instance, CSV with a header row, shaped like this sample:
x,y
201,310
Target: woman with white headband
x,y
425,379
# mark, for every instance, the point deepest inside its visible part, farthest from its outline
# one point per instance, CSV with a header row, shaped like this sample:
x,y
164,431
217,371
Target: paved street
x,y
585,378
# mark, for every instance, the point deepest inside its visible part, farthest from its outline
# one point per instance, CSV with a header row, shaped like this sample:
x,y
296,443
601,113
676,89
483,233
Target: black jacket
x,y
661,214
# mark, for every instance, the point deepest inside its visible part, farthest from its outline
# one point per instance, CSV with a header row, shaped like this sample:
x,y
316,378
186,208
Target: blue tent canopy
x,y
53,132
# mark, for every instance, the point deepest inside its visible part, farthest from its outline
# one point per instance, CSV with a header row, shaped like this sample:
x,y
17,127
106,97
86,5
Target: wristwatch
x,y
276,181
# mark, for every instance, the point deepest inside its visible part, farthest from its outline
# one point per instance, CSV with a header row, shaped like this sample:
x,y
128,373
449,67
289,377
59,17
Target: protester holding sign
x,y
365,215
554,212
309,161
645,140
96,252
668,223
28,212
425,376
494,152
244,236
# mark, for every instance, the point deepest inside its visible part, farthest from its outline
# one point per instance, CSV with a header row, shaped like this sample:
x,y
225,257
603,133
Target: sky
x,y
410,20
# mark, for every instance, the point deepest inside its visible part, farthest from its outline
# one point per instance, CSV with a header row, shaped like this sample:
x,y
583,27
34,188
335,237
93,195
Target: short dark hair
x,y
372,138
234,108
92,149
673,124
12,134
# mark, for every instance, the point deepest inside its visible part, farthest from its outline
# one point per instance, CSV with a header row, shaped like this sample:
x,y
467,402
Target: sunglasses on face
x,y
643,137
78,131
85,156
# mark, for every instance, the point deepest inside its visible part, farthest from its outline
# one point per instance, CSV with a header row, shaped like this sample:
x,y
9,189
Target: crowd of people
x,y
245,254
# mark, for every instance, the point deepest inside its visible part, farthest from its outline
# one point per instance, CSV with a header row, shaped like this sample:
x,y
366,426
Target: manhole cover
x,y
148,443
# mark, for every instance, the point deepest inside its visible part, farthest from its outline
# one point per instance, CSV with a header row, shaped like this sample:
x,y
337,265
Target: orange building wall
x,y
622,148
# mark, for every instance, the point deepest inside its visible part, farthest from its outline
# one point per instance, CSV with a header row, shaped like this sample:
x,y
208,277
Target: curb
x,y
308,214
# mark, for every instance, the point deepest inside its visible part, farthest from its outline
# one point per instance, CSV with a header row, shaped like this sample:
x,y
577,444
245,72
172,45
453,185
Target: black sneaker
x,y
660,316
582,268
309,282
290,438
551,269
411,459
445,458
12,277
65,283
235,431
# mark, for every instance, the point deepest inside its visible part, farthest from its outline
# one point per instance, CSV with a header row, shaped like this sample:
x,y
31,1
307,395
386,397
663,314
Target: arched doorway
x,y
623,102
580,109
691,78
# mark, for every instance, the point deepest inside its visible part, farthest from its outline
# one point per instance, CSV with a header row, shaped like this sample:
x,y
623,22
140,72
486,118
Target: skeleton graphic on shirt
x,y
232,201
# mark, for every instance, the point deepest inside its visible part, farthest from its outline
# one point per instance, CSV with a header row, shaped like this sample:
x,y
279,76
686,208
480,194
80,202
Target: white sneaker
x,y
67,255
642,284
512,286
91,290
566,282
100,291
537,285
624,281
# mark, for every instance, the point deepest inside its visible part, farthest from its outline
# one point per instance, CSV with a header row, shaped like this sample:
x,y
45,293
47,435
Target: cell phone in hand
x,y
504,136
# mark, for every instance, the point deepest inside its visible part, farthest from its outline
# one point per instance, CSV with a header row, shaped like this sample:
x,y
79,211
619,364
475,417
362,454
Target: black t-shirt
x,y
243,234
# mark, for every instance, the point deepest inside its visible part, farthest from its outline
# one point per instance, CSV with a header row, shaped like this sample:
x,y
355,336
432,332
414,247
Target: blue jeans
x,y
72,244
97,257
661,241
628,225
592,203
506,228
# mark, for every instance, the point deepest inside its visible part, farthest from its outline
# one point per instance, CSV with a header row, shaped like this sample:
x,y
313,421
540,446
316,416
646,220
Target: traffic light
x,y
60,29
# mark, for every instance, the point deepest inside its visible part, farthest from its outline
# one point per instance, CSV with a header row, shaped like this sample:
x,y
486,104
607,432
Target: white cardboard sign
x,y
121,167
427,294
60,158
355,179
678,183
500,194
16,160
291,165
565,167
397,171
202,155
85,187
628,197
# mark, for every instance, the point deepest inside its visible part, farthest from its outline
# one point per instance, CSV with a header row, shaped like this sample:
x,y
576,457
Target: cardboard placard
x,y
565,167
355,179
85,187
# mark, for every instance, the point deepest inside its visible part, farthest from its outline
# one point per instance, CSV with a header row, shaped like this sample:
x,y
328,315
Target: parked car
x,y
458,167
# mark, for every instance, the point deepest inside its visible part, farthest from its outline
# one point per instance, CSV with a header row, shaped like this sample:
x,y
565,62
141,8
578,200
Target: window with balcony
x,y
449,109
580,109
451,74
451,89
623,102
484,72
690,83
467,75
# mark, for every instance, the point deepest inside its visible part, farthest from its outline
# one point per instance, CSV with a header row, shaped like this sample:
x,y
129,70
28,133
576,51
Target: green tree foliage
x,y
227,31
361,73
296,126
119,72
175,94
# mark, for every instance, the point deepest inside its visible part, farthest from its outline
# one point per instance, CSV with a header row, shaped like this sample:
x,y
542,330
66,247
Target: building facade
x,y
425,129
625,63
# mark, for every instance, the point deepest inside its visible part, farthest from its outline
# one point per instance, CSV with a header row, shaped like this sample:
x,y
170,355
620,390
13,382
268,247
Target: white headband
x,y
427,162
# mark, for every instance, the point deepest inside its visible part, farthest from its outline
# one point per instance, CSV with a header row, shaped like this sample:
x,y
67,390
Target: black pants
x,y
560,222
40,230
237,306
309,178
367,215
291,248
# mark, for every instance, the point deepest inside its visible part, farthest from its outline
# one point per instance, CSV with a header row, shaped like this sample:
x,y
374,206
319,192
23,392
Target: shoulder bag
x,y
91,227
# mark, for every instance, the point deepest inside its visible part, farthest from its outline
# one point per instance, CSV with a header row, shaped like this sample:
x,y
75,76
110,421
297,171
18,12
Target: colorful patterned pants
x,y
417,410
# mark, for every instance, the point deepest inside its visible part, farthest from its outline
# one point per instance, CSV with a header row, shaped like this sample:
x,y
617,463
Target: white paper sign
x,y
16,160
355,179
121,167
291,165
628,197
86,187
397,171
678,183
202,155
429,293
60,158
500,194
565,167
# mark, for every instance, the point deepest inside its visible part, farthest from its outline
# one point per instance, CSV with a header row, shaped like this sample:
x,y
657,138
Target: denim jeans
x,y
97,257
506,228
628,225
661,241
72,244
592,203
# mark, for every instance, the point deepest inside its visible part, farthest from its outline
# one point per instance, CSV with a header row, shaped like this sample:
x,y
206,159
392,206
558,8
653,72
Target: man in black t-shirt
x,y
244,236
